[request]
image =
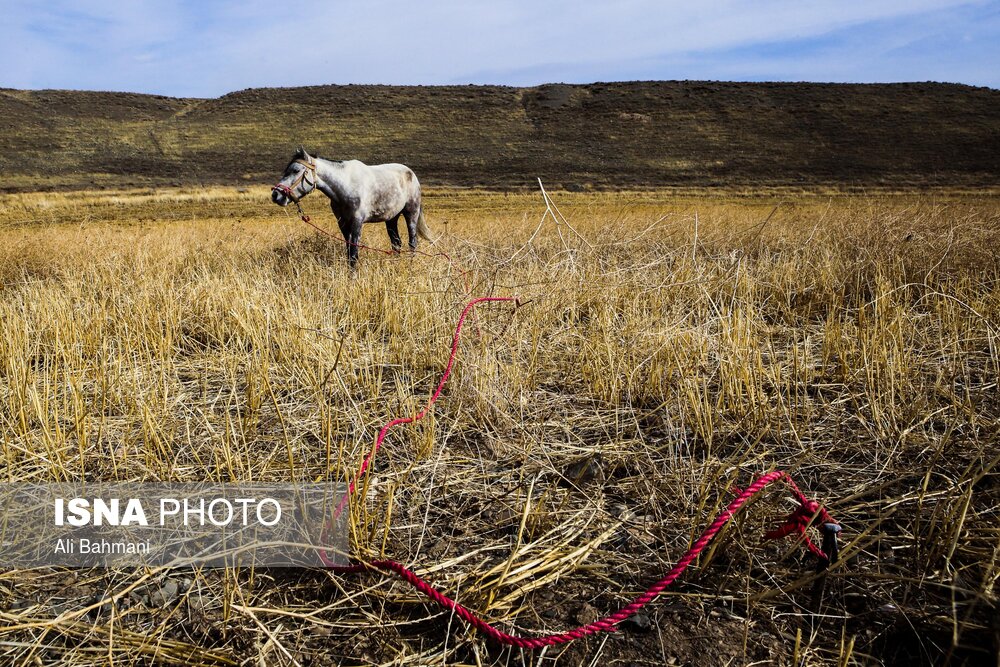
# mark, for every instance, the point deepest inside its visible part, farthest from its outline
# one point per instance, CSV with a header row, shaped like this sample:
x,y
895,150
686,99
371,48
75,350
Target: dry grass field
x,y
672,346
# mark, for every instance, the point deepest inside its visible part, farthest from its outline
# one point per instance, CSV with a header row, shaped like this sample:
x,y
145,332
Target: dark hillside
x,y
646,134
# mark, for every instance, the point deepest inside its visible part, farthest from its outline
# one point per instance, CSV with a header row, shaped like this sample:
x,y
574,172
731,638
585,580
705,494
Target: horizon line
x,y
503,85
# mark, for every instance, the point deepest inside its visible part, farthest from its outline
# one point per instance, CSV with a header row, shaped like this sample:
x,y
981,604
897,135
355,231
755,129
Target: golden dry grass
x,y
678,345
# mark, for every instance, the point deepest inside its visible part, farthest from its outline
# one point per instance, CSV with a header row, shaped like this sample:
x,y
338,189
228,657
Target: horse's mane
x,y
301,153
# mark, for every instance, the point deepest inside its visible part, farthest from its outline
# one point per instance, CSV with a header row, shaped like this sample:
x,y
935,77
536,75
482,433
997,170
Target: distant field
x,y
676,345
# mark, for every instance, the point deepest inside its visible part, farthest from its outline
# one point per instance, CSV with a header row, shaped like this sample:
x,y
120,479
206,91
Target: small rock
x,y
103,611
584,470
438,548
318,631
166,594
19,605
621,511
196,602
503,517
586,614
889,610
552,612
61,607
637,623
546,594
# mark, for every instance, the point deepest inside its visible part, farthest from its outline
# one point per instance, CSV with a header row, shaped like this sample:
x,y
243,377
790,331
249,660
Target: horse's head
x,y
298,180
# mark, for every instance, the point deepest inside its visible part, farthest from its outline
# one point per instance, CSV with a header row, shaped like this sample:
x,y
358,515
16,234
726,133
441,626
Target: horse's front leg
x,y
353,243
351,239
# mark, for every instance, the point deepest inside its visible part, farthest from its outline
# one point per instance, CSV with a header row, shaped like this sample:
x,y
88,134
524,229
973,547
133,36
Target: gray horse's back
x,y
399,173
386,190
359,171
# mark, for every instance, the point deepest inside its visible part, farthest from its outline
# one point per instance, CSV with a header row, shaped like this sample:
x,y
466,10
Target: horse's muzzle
x,y
279,197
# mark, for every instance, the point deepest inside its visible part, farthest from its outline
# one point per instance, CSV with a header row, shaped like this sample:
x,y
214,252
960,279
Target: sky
x,y
206,48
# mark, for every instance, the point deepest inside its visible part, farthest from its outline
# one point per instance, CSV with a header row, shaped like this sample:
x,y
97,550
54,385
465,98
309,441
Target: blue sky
x,y
210,47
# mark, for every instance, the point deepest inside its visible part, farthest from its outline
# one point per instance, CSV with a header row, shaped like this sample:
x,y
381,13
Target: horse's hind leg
x,y
412,214
392,226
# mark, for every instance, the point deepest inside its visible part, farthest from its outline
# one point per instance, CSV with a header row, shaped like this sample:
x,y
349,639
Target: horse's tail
x,y
422,229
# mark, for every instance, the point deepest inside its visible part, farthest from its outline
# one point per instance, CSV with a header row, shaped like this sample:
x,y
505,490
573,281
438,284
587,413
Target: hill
x,y
640,134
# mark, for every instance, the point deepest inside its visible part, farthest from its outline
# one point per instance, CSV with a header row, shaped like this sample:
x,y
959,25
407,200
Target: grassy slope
x,y
624,134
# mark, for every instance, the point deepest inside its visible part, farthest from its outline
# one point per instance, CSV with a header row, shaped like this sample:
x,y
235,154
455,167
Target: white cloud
x,y
213,47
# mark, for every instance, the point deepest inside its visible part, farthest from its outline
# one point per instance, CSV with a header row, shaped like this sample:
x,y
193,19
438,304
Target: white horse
x,y
358,194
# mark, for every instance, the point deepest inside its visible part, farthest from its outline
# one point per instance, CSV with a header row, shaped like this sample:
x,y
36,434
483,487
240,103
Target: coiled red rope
x,y
807,514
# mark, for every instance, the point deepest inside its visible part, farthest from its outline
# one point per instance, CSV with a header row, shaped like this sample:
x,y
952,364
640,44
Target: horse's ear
x,y
301,153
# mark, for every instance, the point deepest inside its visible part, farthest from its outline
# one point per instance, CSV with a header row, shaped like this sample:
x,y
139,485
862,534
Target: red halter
x,y
287,190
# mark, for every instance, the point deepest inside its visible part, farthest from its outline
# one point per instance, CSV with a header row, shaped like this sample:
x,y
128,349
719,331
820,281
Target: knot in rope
x,y
796,522
808,512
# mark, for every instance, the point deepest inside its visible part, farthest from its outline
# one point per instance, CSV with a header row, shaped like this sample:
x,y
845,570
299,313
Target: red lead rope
x,y
608,623
808,513
420,415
